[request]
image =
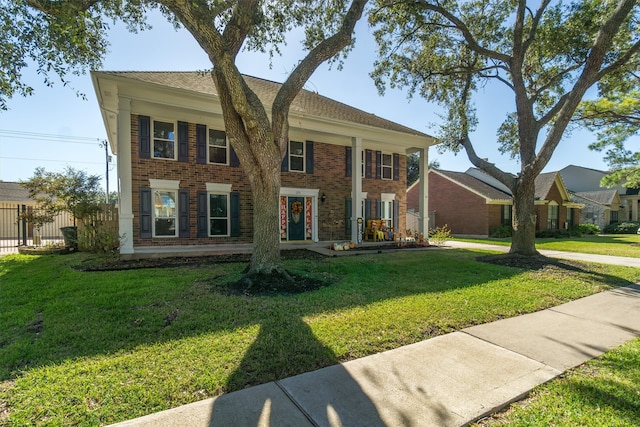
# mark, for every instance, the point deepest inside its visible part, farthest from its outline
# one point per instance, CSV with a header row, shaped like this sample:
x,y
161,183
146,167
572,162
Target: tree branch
x,y
466,33
300,75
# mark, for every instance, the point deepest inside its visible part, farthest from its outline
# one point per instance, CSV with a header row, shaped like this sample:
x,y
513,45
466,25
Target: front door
x,y
296,218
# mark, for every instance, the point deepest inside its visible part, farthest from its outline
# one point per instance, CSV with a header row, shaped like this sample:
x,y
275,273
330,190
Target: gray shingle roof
x,y
476,185
13,192
543,184
307,102
603,197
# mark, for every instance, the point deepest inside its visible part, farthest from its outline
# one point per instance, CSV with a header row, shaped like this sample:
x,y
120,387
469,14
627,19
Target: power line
x,y
49,137
50,160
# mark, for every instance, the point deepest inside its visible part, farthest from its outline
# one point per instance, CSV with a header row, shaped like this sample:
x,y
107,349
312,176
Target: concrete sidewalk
x,y
602,259
450,380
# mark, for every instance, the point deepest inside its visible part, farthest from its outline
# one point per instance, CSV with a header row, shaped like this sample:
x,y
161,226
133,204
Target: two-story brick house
x,y
180,182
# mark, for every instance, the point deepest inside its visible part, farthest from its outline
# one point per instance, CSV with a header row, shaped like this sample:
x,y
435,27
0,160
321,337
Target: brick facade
x,y
467,213
461,210
328,178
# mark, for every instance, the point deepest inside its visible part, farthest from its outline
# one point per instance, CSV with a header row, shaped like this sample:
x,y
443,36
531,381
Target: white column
x,y
424,192
123,143
356,186
634,209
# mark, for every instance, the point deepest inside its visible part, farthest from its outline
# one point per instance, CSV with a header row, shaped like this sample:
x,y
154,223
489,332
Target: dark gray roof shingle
x,y
306,102
13,192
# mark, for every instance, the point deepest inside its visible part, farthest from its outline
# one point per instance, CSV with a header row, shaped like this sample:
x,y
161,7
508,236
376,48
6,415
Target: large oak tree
x,y
62,36
547,53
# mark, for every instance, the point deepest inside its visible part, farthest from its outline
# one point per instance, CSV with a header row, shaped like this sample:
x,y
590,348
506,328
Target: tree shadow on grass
x,y
284,347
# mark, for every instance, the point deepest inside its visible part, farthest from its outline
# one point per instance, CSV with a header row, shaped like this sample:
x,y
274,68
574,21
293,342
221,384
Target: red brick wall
x,y
461,210
329,177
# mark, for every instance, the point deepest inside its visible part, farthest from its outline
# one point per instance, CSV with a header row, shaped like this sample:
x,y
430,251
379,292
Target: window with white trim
x,y
218,214
164,140
165,207
387,166
219,209
218,147
296,156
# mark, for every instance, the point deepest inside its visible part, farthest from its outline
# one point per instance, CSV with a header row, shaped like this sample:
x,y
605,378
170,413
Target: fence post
x,y
24,226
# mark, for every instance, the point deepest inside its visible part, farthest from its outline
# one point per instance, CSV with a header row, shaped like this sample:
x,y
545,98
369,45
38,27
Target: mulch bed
x,y
190,261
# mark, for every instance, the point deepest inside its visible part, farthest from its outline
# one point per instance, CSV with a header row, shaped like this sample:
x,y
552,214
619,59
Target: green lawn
x,y
91,348
612,244
602,392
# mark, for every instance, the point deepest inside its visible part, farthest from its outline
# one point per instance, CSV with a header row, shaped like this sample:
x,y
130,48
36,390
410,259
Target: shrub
x,y
438,236
622,228
588,229
552,233
501,232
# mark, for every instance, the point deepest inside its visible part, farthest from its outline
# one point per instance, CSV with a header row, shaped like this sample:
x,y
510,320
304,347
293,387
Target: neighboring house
x,y
603,205
474,203
180,182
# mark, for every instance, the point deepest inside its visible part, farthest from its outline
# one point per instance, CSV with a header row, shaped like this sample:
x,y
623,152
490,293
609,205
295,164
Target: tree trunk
x,y
265,190
524,218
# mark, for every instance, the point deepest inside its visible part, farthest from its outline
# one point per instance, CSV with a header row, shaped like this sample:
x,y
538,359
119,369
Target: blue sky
x,y
55,128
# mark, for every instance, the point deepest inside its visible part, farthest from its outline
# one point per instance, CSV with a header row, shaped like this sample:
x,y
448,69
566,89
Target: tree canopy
x,y
547,53
615,117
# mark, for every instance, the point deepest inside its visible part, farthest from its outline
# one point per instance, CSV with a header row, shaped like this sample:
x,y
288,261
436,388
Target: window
x,y
296,156
164,213
387,166
164,138
506,215
614,217
552,217
570,214
218,147
218,214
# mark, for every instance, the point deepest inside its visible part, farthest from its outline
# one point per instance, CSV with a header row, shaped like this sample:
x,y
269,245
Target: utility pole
x,y
105,144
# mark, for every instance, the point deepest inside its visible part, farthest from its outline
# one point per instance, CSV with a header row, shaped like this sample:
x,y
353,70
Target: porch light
x,y
323,197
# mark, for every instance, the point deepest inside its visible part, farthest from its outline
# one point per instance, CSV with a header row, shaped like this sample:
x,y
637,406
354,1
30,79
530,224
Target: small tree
x,y
70,191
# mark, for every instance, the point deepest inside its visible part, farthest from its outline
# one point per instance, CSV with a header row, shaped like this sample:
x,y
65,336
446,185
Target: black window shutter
x,y
234,201
378,164
347,216
367,210
285,161
378,208
396,215
202,214
201,144
144,137
234,162
183,141
396,167
145,213
348,158
368,159
183,213
309,157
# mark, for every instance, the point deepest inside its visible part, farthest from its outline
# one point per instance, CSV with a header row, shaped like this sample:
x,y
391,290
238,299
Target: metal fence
x,y
16,232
